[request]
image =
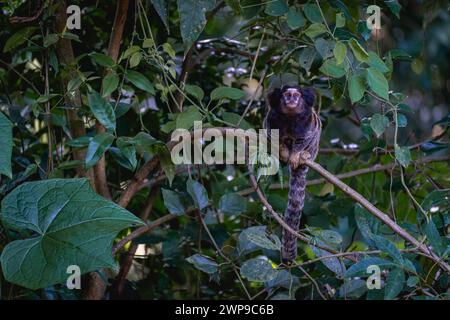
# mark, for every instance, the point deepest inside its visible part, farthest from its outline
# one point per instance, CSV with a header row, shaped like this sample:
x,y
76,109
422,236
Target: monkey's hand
x,y
298,158
284,153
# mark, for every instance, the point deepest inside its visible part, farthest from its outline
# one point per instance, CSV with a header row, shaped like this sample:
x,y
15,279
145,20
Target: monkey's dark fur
x,y
291,111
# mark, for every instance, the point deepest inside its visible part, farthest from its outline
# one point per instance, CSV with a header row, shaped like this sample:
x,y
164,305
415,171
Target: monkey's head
x,y
292,100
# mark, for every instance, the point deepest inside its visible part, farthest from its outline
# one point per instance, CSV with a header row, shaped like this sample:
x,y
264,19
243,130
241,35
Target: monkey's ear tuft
x,y
309,96
274,98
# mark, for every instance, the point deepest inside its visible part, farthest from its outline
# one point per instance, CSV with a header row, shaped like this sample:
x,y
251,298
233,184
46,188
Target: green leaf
x,y
258,235
360,268
80,142
227,93
6,140
378,83
332,263
394,6
258,269
166,162
324,47
312,13
315,29
109,84
356,88
358,51
388,247
367,223
403,155
340,52
295,19
135,59
198,193
195,91
173,201
306,58
330,68
161,8
102,110
70,225
433,236
232,203
50,39
102,59
203,263
185,120
276,8
402,121
19,38
379,123
376,62
140,81
125,156
394,283
412,281
192,18
329,236
97,147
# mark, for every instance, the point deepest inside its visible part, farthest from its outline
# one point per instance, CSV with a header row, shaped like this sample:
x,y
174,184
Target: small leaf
x,y
276,8
192,18
340,20
332,263
6,140
356,88
315,29
135,59
97,147
379,123
259,236
340,52
232,203
312,12
50,39
68,224
258,269
412,281
387,247
195,91
227,92
198,193
203,263
324,47
394,283
19,38
109,84
378,83
433,236
403,155
295,19
102,110
102,59
376,62
358,51
140,81
173,201
306,58
185,120
402,121
330,68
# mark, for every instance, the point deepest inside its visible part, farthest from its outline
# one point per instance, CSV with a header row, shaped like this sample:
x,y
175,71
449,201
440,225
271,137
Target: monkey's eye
x,y
296,94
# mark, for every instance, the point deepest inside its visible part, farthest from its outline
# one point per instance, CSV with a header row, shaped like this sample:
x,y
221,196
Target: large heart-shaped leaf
x,y
70,225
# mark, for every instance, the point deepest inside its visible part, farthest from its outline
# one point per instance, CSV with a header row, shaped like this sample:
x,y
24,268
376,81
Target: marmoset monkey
x,y
291,112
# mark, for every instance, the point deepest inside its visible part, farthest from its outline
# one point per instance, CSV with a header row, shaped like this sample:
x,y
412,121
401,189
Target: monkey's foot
x,y
298,158
284,153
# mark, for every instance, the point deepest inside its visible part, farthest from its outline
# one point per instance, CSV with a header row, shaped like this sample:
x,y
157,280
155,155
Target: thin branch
x,y
376,212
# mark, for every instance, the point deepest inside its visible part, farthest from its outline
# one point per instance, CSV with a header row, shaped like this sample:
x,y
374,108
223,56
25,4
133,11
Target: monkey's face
x,y
292,101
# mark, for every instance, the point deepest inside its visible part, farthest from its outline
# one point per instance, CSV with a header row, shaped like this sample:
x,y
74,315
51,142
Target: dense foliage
x,y
86,116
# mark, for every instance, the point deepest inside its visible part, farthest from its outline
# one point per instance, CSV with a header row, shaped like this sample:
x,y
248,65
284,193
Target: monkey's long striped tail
x,y
293,213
